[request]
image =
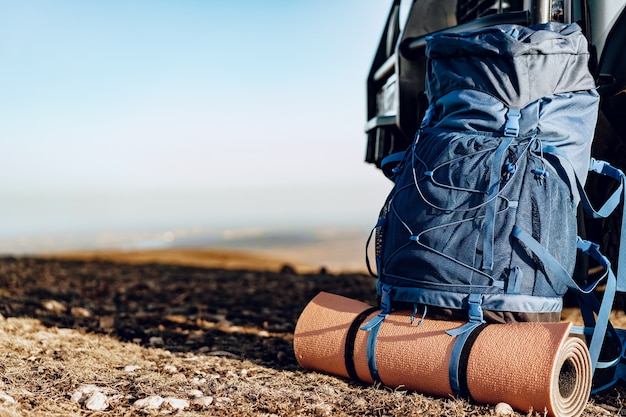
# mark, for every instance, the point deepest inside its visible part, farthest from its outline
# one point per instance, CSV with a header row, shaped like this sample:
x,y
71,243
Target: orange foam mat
x,y
528,365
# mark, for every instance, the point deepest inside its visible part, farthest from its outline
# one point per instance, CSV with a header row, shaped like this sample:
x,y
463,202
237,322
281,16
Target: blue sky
x,y
183,93
160,96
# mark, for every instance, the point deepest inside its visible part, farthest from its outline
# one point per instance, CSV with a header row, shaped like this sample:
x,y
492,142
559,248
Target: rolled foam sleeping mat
x,y
527,365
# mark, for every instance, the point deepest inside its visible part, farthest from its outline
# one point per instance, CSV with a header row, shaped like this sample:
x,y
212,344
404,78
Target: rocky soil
x,y
118,339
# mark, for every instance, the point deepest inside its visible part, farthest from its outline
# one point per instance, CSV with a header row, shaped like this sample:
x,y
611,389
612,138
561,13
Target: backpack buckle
x,y
511,127
475,311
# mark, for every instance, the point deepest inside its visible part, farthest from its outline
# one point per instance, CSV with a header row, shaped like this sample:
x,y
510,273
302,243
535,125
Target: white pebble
x,y
198,381
97,401
203,401
156,341
77,397
83,392
6,399
131,368
503,409
170,369
223,401
195,393
80,312
54,306
151,402
176,403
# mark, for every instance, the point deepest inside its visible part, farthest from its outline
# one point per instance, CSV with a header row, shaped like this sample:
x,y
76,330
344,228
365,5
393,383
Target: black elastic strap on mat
x,y
463,357
350,339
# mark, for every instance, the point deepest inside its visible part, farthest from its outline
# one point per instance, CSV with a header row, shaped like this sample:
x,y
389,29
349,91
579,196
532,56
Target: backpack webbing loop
x,y
457,369
492,198
604,310
373,327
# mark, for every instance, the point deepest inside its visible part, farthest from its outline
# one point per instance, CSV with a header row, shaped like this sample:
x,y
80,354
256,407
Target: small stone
x,y
80,312
152,402
176,403
131,368
243,373
97,402
177,318
223,401
198,381
179,377
54,306
106,322
6,399
170,369
203,401
222,353
156,341
503,409
83,392
77,397
195,393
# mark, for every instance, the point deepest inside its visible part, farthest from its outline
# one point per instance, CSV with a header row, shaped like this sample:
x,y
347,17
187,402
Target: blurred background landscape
x,y
157,124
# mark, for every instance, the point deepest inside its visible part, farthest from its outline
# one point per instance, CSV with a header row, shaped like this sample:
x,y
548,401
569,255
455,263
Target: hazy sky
x,y
140,96
156,94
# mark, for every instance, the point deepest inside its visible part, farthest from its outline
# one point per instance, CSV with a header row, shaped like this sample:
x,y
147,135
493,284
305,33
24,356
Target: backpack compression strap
x,y
561,275
597,327
619,195
373,327
604,168
465,337
492,197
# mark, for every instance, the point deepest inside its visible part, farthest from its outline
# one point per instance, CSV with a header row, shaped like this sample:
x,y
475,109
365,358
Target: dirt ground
x,y
136,337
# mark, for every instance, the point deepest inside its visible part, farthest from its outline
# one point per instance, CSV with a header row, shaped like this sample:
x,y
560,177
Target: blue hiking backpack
x,y
483,216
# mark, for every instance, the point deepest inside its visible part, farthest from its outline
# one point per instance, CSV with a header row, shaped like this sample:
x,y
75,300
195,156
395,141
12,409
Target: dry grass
x,y
214,342
43,367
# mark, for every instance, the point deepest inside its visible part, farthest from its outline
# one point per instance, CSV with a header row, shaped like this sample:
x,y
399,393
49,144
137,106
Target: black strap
x,y
350,339
463,357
